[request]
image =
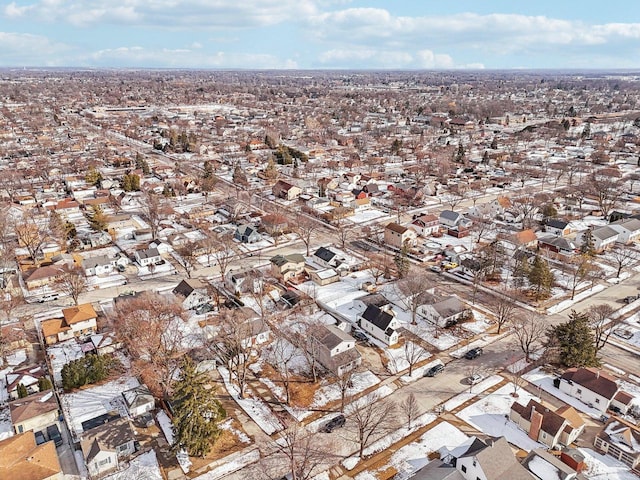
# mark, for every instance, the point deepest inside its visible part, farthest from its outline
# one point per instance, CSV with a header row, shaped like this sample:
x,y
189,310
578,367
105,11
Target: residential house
x,y
589,385
322,276
138,400
438,470
22,459
560,245
41,276
443,311
246,233
381,323
628,230
377,299
549,467
79,322
547,426
244,281
105,343
426,225
147,256
98,265
192,292
557,227
397,236
523,239
287,267
334,349
285,190
35,412
28,377
491,459
602,237
621,440
449,218
105,446
327,258
274,224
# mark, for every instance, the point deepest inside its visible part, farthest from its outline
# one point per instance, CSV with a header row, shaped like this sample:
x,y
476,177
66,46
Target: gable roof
x,y
79,313
552,423
106,437
604,233
525,236
380,318
330,336
556,223
324,254
396,227
449,306
32,406
148,252
21,458
498,462
450,215
594,380
187,286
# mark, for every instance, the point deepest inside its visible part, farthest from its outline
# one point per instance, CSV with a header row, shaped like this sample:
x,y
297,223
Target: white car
x,y
475,378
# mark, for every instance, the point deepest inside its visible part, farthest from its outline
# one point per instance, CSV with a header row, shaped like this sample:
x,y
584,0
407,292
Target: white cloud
x,y
23,49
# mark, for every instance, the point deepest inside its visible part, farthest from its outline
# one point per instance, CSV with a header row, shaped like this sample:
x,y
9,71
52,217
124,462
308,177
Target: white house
x,y
192,292
138,400
380,323
147,256
443,312
397,236
590,386
334,349
98,265
449,218
105,446
628,230
602,237
425,225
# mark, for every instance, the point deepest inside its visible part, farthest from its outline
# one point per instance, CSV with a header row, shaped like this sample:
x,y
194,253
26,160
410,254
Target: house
x,y
326,258
443,312
41,276
334,349
557,227
547,426
246,233
628,230
274,224
381,323
192,292
438,470
377,299
589,385
285,190
287,267
244,281
449,218
322,276
98,265
426,225
397,236
560,245
147,256
28,377
138,400
602,237
35,412
549,467
491,459
105,446
524,239
79,322
22,459
620,440
105,343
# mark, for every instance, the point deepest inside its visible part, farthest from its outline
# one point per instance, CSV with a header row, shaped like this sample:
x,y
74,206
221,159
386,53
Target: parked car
x,y
49,297
204,308
359,335
336,422
435,268
54,434
449,265
435,370
475,378
630,299
40,438
473,353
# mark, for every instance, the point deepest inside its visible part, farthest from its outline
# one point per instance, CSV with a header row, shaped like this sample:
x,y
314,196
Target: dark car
x,y
40,438
473,353
629,299
435,370
334,423
359,335
54,434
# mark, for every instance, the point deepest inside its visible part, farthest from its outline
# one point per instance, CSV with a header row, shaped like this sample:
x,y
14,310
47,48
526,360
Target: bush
x,y
84,371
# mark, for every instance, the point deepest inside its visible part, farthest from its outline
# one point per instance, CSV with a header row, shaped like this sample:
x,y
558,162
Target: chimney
x,y
536,423
598,373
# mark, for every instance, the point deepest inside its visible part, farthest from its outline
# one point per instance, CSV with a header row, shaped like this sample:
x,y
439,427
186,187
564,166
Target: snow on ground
x,y
165,425
231,465
444,438
602,467
560,306
94,401
62,353
545,382
490,416
227,425
143,466
473,391
632,389
480,324
330,393
254,407
6,427
398,356
17,357
366,216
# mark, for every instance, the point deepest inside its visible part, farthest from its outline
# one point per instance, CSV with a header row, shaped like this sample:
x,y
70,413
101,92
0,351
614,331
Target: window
x,y
20,428
122,448
474,462
597,400
463,468
104,462
579,390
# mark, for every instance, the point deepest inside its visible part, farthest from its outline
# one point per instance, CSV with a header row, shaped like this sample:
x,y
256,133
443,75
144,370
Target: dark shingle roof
x,y
380,318
593,380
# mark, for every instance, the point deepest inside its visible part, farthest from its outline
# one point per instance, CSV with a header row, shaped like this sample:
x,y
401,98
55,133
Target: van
x,y
49,297
54,434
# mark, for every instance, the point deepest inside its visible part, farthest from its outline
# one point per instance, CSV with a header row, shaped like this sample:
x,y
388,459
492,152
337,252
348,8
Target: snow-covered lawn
x,y
398,356
489,415
143,466
330,393
480,324
545,382
602,467
6,427
94,401
165,425
560,306
473,391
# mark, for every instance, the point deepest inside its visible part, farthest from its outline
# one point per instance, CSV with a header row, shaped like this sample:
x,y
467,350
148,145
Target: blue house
x,y
247,234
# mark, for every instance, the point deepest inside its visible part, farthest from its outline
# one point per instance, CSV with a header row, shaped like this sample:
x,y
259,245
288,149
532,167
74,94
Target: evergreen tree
x,y
93,176
44,384
142,164
97,218
22,391
130,182
540,277
575,341
197,412
460,153
207,170
239,177
402,261
271,171
587,247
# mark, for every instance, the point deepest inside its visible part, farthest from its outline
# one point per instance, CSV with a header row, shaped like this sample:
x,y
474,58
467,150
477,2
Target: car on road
x,y
336,422
449,265
473,353
475,378
359,335
435,370
435,268
630,299
54,434
49,297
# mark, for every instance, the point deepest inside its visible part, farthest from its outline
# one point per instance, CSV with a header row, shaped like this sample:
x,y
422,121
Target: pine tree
x,y
97,218
540,277
44,384
575,341
22,391
402,261
197,412
207,170
587,247
239,177
93,176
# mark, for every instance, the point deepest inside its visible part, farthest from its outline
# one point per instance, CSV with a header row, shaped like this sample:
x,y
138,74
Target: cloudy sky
x,y
321,34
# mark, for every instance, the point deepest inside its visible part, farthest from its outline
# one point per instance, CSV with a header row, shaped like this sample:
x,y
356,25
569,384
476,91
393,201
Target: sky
x,y
321,34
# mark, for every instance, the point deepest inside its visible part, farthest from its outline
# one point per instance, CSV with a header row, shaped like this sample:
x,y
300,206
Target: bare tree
x,y
577,269
73,282
602,323
187,257
154,210
606,189
224,252
529,330
502,307
281,355
413,353
344,381
9,302
305,228
526,207
412,291
623,257
378,266
32,235
409,408
369,417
